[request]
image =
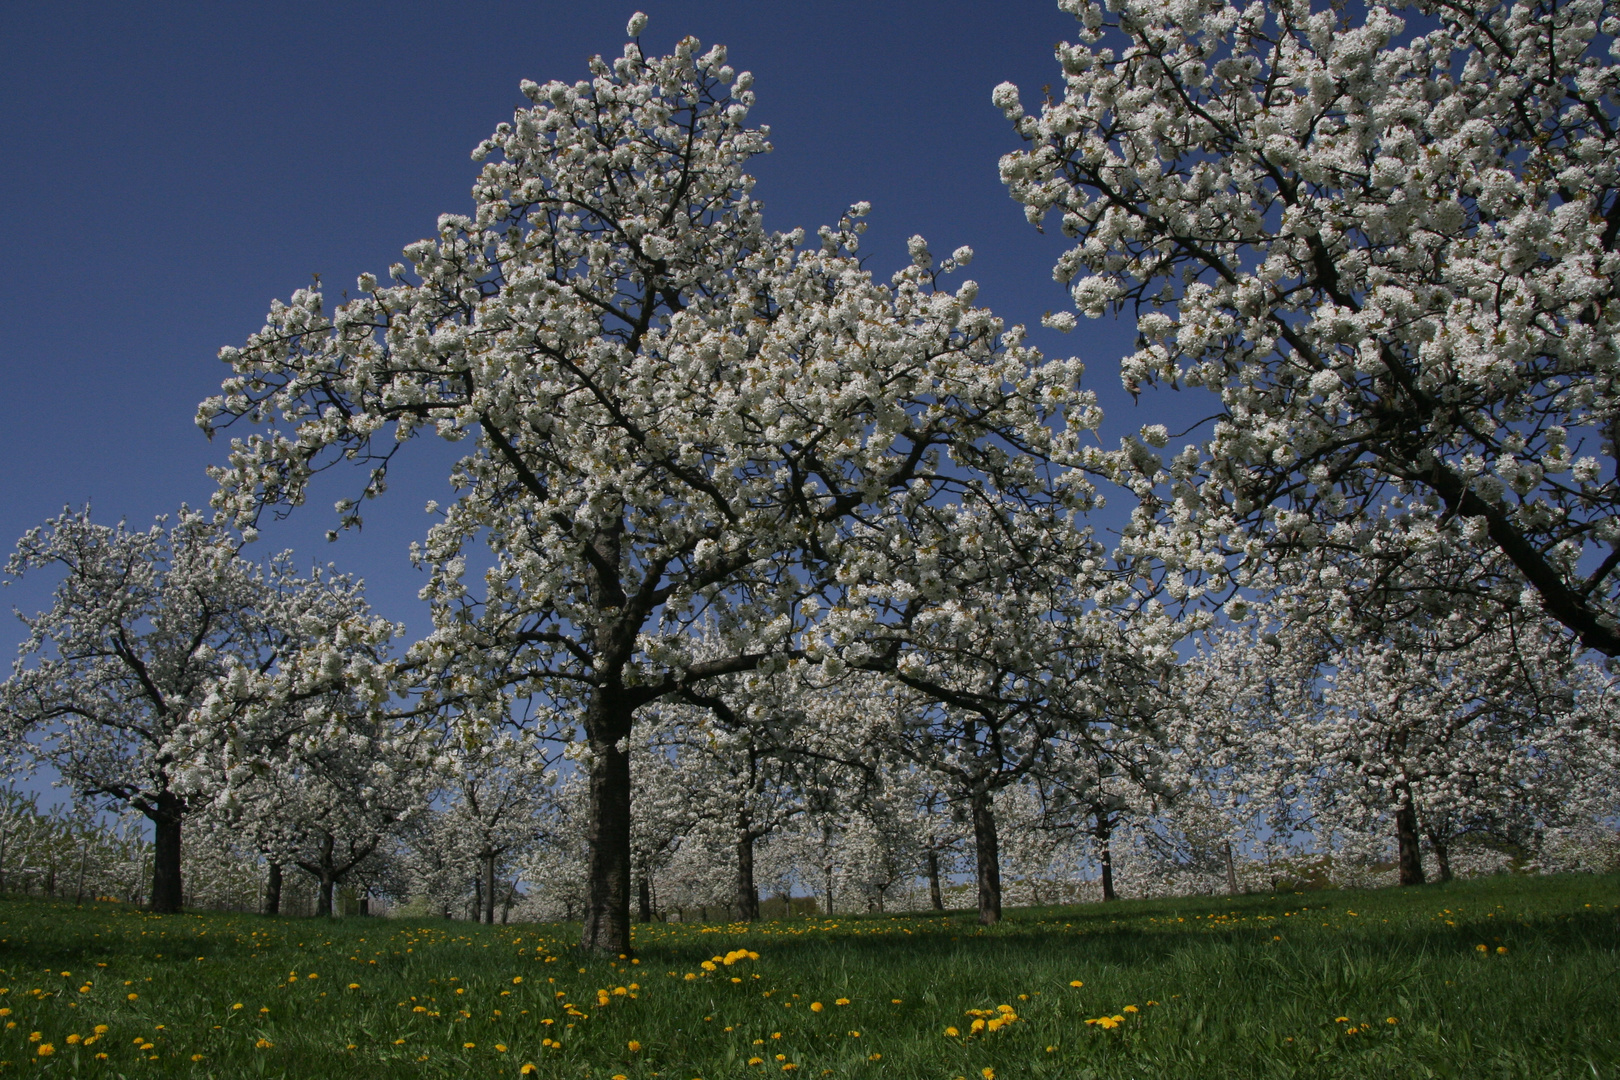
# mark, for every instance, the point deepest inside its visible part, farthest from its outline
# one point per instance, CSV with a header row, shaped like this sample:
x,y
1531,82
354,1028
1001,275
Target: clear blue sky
x,y
167,169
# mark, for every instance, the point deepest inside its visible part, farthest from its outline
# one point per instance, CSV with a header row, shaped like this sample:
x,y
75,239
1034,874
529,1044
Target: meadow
x,y
1501,977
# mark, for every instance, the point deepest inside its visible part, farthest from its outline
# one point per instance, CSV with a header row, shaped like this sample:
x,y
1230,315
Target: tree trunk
x,y
987,855
607,883
936,896
167,893
323,906
747,892
1105,855
78,895
644,897
1411,853
829,888
365,902
1442,856
272,890
489,889
1231,871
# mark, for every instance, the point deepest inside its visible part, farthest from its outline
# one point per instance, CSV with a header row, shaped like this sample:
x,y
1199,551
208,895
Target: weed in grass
x,y
1506,977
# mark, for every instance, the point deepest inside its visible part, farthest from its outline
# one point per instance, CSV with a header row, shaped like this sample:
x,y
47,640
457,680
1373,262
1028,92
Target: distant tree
x,y
147,651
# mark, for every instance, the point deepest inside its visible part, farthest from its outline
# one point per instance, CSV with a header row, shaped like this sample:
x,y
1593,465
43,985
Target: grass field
x,y
1506,977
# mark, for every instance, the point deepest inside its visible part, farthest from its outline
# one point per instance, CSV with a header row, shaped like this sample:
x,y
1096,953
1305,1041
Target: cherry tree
x,y
498,789
159,640
674,414
1391,246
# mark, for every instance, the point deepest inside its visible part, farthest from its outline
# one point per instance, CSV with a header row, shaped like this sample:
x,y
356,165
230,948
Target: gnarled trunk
x,y
987,856
607,882
644,897
1105,854
1410,853
272,890
167,892
489,888
1442,855
936,895
747,892
323,905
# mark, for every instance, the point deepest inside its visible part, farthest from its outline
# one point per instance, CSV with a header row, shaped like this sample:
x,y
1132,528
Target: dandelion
x,y
894,1001
500,1048
73,1040
354,986
199,1057
263,1044
133,997
816,1006
1481,948
46,1050
756,1061
38,1035
988,1073
841,1001
1341,1019
951,1033
529,1069
1076,983
635,1047
517,980
1131,1009
468,1046
1390,1020
1501,950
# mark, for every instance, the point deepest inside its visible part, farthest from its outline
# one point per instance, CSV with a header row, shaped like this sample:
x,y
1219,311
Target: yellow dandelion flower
x,y
1076,983
73,1040
951,1033
756,1061
841,1001
816,1006
1131,1008
199,1057
38,1035
354,986
1341,1019
1501,950
988,1073
635,1047
1390,1020
469,1046
133,997
45,1050
517,980
263,1044
1481,948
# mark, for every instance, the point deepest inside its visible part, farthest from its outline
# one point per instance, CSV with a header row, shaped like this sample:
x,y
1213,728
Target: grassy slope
x,y
1245,987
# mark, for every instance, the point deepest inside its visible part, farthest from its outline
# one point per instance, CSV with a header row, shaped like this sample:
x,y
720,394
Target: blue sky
x,y
169,168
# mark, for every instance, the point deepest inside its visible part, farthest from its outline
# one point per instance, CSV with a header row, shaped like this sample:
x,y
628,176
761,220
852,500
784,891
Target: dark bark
x,y
987,856
272,890
1105,855
644,898
936,895
1410,853
365,904
167,891
1442,856
323,906
747,892
1231,871
489,889
607,883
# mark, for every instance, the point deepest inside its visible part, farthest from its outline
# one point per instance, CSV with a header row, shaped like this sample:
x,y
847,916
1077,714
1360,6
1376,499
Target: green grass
x,y
1221,987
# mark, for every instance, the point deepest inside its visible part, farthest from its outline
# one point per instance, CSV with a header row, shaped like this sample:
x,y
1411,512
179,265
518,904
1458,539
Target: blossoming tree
x,y
674,414
162,641
1391,246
